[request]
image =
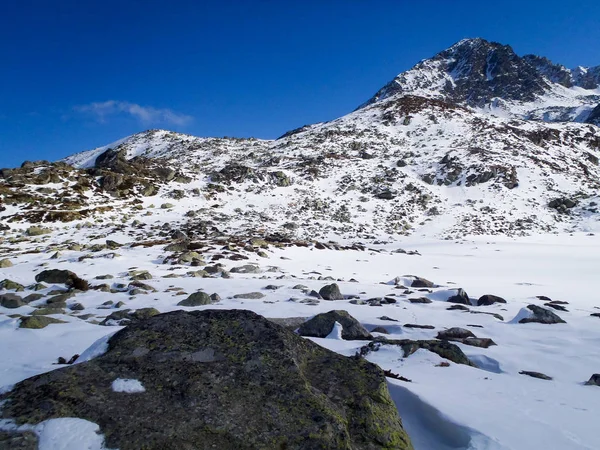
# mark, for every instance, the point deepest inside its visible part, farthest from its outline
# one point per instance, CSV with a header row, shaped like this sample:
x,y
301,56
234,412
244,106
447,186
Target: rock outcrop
x,y
218,379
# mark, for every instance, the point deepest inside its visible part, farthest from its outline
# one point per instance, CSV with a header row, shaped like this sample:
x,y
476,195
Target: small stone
x,y
538,375
5,263
421,300
250,296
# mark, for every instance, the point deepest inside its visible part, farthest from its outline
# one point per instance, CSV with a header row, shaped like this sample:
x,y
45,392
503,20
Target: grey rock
x,y
419,282
538,375
541,315
322,324
196,299
454,334
331,292
422,300
247,268
250,296
11,301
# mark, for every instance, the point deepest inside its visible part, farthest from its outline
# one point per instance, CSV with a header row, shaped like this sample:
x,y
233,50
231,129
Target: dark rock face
x,y
460,297
488,299
55,276
541,315
331,292
219,379
481,71
594,380
594,117
322,324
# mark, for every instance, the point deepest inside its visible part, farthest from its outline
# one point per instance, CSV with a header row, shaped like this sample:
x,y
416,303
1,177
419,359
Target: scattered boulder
x,y
457,308
37,231
247,268
479,342
444,349
196,299
454,334
5,263
538,375
322,324
422,327
460,297
381,330
10,285
226,379
594,380
250,296
419,282
11,301
488,299
541,315
331,292
128,317
556,305
420,300
37,322
56,276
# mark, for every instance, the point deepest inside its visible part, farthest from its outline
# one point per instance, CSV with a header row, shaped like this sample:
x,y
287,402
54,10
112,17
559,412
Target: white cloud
x,y
147,115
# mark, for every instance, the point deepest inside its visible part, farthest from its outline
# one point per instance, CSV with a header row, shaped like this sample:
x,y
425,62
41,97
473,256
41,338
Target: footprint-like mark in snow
x,y
486,363
429,429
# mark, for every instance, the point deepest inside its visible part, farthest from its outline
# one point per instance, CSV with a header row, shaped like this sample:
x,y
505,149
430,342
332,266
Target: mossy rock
x,y
226,379
10,285
5,263
37,231
53,309
196,299
38,322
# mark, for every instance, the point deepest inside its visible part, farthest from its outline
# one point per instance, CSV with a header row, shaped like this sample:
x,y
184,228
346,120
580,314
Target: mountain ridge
x,y
400,165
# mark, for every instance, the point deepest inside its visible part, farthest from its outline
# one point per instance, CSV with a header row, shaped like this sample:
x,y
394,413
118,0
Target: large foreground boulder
x,y
217,379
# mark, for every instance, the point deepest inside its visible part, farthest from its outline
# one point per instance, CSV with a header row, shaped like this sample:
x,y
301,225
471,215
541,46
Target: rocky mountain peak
x,y
490,76
471,72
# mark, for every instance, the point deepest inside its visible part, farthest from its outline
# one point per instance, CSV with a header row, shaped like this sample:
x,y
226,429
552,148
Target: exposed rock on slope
x,y
218,379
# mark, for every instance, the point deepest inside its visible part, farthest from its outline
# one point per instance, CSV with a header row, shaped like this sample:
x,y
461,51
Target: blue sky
x,y
76,74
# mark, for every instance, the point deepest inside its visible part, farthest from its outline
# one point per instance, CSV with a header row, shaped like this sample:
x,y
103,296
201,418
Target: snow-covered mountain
x,y
492,77
428,154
